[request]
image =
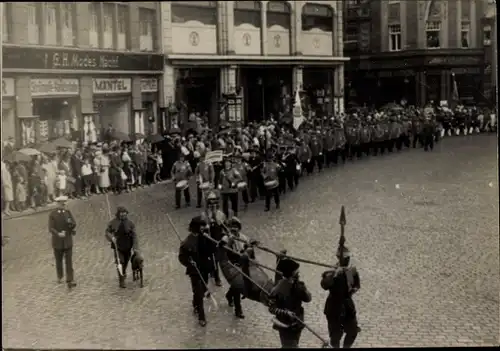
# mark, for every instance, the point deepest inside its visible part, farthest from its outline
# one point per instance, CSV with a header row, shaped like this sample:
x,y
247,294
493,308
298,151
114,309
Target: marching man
x,y
270,173
181,172
205,177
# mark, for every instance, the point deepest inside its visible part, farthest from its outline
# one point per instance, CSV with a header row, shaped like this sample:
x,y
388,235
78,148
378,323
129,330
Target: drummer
x,y
228,187
243,169
270,174
181,172
205,177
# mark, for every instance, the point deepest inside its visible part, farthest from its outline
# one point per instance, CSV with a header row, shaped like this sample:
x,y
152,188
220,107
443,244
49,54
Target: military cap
x,y
288,267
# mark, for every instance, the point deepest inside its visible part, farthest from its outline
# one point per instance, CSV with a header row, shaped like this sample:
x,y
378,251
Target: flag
x,y
454,96
298,117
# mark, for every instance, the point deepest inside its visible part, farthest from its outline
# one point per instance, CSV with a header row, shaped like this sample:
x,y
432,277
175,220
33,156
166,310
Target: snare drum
x,y
182,185
242,185
205,186
298,168
271,184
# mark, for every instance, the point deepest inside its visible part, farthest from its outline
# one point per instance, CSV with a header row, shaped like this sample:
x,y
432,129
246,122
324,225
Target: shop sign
x,y
8,87
453,60
66,59
149,85
54,86
112,85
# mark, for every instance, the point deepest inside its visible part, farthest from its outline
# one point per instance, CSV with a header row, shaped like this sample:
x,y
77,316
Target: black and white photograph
x,y
249,174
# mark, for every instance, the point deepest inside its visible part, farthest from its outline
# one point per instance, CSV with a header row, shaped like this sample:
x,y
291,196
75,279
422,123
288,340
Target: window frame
x,y
433,29
465,27
394,34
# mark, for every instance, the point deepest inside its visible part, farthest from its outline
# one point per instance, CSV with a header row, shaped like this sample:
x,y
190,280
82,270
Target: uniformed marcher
x,y
181,172
293,167
243,169
271,182
342,282
228,187
255,176
205,176
285,302
122,235
215,219
62,227
194,254
233,297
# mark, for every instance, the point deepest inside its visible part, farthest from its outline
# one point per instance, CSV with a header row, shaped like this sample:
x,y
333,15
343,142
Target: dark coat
x,y
62,220
339,302
195,248
289,296
124,231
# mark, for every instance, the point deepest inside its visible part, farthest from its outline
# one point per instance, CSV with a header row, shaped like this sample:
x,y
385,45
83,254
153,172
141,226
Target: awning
x,y
245,60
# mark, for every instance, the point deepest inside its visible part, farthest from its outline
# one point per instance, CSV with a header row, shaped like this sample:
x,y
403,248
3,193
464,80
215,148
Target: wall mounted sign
x,y
65,59
8,87
194,38
112,85
247,39
53,86
149,85
453,60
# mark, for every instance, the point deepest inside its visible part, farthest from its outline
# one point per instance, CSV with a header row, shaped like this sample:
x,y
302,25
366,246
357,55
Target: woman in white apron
x,y
103,163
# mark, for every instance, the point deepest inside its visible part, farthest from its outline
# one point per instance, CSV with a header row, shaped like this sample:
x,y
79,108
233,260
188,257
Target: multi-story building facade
x,y
413,50
79,67
260,51
489,28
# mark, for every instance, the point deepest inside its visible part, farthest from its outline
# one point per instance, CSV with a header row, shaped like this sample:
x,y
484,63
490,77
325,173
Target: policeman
x,y
342,282
233,297
228,187
204,173
122,235
62,227
181,172
194,254
285,302
270,174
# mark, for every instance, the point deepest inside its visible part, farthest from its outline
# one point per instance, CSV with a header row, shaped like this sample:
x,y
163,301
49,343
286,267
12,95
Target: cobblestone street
x,y
422,226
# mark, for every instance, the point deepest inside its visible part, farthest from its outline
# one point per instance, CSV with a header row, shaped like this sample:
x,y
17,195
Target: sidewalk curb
x,y
50,207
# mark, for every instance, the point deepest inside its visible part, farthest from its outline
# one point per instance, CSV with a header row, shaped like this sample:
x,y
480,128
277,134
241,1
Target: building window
x,y
68,23
433,34
487,35
318,17
6,22
201,11
34,16
351,34
146,18
278,13
123,28
395,37
51,23
95,24
108,11
247,12
465,35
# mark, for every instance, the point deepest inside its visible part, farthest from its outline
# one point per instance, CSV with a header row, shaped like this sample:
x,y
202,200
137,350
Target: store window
x,y
34,16
123,27
316,16
147,35
95,25
68,24
247,12
433,35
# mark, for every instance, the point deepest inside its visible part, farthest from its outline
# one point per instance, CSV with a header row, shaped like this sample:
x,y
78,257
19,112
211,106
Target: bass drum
x,y
271,184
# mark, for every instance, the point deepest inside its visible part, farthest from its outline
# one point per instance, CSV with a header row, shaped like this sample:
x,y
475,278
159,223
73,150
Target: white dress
x,y
103,171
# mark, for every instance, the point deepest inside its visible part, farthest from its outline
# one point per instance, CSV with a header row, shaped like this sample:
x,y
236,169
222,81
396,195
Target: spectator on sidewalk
x,y
49,164
87,175
7,189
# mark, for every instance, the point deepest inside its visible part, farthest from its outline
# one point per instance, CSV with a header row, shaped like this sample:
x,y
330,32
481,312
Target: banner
x,y
214,156
298,118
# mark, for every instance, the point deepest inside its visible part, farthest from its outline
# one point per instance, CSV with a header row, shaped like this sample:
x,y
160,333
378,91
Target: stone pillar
x,y
86,95
24,106
82,24
338,31
338,89
297,79
445,42
166,26
263,28
135,27
221,28
296,28
421,82
168,85
229,25
20,23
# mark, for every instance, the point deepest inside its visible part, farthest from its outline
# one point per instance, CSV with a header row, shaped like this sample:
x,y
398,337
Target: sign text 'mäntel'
x,y
119,85
81,61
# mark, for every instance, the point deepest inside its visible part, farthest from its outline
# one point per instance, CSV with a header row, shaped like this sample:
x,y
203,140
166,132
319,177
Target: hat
x,y
212,197
196,224
234,223
121,209
196,154
287,267
61,198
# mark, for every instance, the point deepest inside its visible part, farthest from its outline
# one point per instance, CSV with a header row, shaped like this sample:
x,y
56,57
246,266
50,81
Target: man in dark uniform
x,y
291,163
254,175
123,238
270,173
181,170
428,134
62,227
285,302
342,282
194,254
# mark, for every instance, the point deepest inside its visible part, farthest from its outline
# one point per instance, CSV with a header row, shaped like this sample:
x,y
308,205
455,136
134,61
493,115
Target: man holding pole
x,y
123,238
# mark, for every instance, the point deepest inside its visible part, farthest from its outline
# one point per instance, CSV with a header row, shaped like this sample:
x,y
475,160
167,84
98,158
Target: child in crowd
x,y
87,174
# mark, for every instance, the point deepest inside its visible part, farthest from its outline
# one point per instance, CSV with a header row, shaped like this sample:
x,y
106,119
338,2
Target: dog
x,y
137,268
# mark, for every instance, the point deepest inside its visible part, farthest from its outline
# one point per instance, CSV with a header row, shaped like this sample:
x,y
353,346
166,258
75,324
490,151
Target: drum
x,y
242,185
298,167
182,185
271,184
205,186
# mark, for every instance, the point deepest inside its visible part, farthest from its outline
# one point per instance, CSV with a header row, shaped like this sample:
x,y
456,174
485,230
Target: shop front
x,y
67,92
8,110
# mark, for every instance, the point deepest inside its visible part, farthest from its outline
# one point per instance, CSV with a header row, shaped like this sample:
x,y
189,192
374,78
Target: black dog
x,y
137,268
